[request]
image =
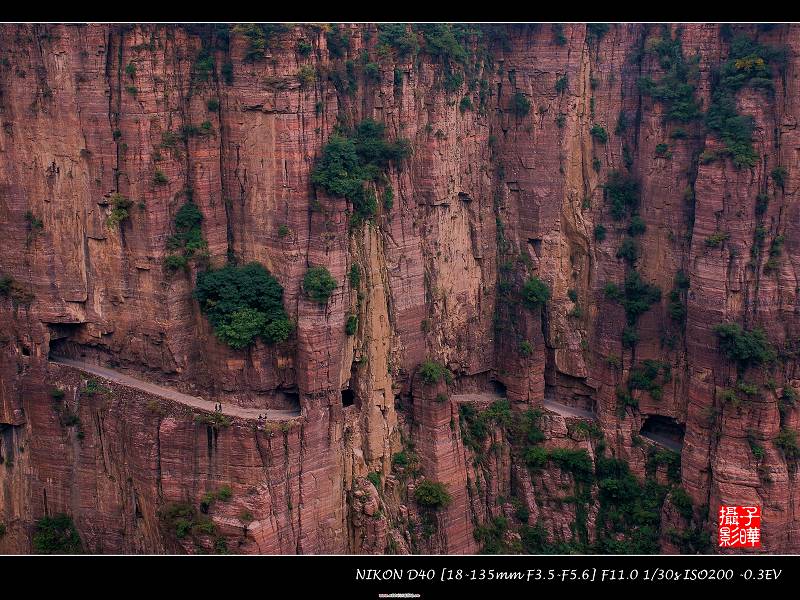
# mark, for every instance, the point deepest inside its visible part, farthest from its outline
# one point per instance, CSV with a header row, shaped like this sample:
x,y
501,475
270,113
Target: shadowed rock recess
x,y
503,274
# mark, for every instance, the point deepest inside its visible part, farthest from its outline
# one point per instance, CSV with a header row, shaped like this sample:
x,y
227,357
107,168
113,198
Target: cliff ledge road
x,y
170,394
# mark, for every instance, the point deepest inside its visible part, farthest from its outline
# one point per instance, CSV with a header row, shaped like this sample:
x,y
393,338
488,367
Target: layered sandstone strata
x,y
490,196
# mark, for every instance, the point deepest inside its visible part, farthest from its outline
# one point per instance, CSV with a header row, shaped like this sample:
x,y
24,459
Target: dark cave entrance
x,y
62,340
6,445
286,399
664,430
348,397
499,388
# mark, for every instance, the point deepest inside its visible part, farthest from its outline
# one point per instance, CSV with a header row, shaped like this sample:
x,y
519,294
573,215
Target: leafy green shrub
x,y
159,178
214,420
442,41
637,226
535,457
432,372
188,237
662,457
351,159
520,104
213,105
388,198
589,429
558,34
204,65
623,192
304,47
675,89
599,232
597,30
176,262
399,37
283,230
779,175
465,104
306,75
319,284
56,535
169,139
375,479
354,276
625,400
94,387
351,326
715,240
757,450
475,427
259,36
453,80
225,493
787,400
492,536
745,347
748,64
525,348
728,396
636,296
119,211
243,303
372,72
246,517
227,73
521,512
433,495
663,151
599,133
577,462
535,293
646,377
786,441
35,224
628,250
402,459
561,84
676,308
179,517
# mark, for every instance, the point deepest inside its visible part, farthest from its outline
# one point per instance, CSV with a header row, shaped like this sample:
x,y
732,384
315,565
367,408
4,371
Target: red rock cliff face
x,y
492,195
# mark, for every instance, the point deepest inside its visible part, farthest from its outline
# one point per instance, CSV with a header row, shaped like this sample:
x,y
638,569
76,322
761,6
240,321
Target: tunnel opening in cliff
x,y
665,430
286,399
569,390
348,397
499,388
64,340
6,444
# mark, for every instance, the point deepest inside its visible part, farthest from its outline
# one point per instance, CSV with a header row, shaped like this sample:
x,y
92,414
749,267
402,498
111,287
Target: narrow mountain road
x,y
170,394
663,441
568,411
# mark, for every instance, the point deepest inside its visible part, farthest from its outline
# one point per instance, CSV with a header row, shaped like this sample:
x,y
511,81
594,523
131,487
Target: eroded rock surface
x,y
491,195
